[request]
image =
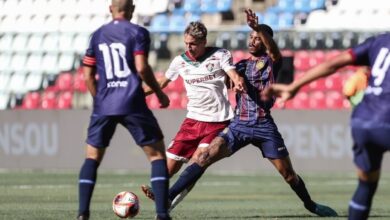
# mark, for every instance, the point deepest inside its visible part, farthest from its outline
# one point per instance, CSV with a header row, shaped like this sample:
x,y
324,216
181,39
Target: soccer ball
x,y
125,205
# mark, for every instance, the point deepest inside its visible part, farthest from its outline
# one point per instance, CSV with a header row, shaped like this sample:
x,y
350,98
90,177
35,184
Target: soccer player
x,y
370,121
204,71
252,123
117,56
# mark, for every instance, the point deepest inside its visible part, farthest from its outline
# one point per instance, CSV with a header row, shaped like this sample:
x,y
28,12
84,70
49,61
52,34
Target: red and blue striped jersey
x,y
258,74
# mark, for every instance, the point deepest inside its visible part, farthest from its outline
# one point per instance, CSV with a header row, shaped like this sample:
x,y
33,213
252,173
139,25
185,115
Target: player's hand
x,y
239,85
283,92
163,99
251,19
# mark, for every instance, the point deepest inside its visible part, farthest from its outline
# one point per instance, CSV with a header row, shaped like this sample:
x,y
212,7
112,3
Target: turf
x,y
53,195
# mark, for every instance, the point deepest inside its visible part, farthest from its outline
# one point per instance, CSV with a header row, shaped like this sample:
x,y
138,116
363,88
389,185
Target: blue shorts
x,y
263,134
371,141
142,126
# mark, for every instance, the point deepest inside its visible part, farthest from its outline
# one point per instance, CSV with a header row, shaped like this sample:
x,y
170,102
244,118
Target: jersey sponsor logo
x,y
116,84
281,148
200,80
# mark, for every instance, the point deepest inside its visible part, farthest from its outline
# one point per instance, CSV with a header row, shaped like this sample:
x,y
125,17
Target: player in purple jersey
x,y
252,123
370,121
117,56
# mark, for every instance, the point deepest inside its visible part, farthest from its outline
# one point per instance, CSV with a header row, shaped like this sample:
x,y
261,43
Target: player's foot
x,y
322,210
148,191
163,217
82,217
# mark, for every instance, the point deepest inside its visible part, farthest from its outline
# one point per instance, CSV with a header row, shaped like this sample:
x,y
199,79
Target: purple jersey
x,y
375,52
258,74
111,50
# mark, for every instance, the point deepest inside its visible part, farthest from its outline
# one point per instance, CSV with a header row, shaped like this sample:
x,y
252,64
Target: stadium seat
x,y
79,83
50,42
177,23
50,63
224,5
152,101
175,86
65,81
48,100
31,100
65,42
16,83
4,99
19,43
208,6
239,55
6,42
286,6
34,82
5,61
160,23
317,4
302,6
317,100
300,101
301,60
4,81
33,62
66,62
64,100
176,100
286,20
272,19
18,62
334,82
34,43
334,100
192,6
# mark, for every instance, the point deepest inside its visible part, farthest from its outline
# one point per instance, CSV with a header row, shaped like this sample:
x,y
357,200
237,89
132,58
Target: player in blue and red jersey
x,y
370,121
252,123
117,56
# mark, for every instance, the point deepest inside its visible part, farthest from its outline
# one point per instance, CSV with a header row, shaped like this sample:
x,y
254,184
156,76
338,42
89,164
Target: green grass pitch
x,y
53,195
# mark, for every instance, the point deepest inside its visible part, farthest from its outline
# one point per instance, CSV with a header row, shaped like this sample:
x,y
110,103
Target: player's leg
x,y
159,177
100,131
368,159
208,131
360,204
147,133
198,164
296,183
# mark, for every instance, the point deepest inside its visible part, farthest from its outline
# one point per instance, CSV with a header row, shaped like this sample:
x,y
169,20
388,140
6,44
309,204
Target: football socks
x,y
87,179
188,177
359,206
301,191
160,183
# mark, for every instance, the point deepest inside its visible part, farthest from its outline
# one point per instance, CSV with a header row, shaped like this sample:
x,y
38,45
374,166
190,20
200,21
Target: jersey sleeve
x,y
89,57
142,44
360,52
226,60
173,70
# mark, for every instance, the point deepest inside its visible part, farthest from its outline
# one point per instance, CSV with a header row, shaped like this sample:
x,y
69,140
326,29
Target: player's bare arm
x,y
163,82
266,38
145,72
238,81
286,92
90,80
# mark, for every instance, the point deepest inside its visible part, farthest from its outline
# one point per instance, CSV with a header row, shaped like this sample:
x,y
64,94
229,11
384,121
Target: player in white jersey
x,y
204,71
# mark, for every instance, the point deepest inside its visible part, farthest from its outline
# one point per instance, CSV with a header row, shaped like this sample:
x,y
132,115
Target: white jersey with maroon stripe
x,y
204,80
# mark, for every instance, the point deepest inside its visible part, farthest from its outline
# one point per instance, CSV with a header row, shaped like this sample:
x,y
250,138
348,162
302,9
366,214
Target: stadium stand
x,y
41,44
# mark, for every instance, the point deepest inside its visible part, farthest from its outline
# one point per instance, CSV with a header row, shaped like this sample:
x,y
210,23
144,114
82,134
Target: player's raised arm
x,y
145,72
286,92
266,34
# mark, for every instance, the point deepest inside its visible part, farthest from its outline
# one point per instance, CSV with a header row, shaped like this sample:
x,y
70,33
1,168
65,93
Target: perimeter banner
x,y
316,140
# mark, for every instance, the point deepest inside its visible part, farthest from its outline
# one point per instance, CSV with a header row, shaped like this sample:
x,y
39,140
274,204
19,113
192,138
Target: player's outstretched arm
x,y
90,80
286,92
238,81
163,82
266,38
145,72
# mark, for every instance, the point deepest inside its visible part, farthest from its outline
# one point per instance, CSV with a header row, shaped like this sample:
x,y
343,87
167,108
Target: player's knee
x,y
289,176
203,159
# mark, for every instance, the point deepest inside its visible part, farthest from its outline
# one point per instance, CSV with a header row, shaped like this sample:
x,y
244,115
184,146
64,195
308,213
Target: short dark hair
x,y
267,29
